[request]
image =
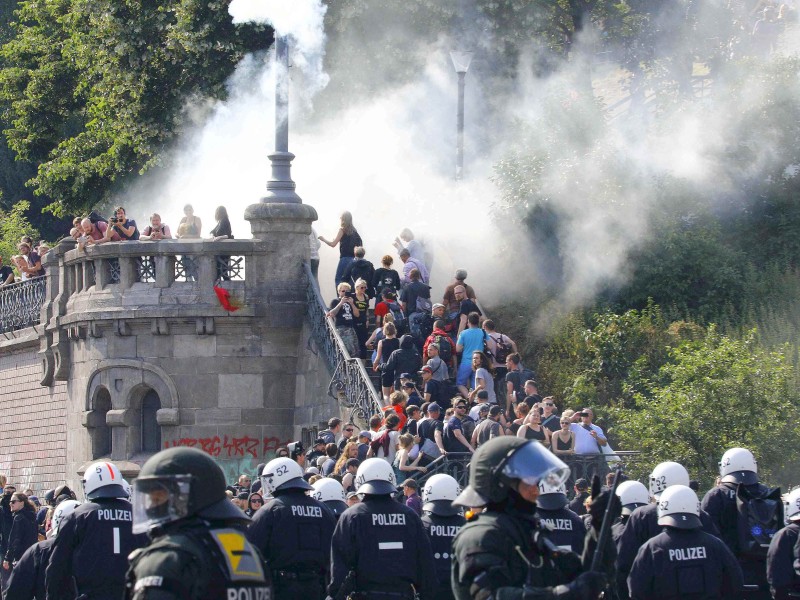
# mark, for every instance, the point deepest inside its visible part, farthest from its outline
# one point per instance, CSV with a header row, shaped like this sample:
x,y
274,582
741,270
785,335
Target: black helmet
x,y
501,461
178,483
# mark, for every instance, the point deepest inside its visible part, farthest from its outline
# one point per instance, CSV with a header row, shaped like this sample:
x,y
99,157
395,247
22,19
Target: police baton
x,y
605,529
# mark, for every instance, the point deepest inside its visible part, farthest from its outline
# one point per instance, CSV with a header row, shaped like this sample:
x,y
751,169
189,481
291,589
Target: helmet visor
x,y
532,463
159,500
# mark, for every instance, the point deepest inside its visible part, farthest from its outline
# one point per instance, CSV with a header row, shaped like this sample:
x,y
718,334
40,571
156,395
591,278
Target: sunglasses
x,y
549,404
256,501
461,406
349,430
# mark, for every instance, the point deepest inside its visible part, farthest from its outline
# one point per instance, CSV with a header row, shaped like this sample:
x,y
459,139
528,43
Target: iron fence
x,y
21,304
350,385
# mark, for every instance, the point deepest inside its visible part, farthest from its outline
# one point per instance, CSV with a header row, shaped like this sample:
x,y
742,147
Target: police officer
x,y
27,577
632,494
331,493
781,576
99,527
293,531
198,549
442,522
683,561
501,552
739,476
567,530
379,548
643,522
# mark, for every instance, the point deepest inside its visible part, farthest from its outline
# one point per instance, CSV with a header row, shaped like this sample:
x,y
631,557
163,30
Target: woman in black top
x,y
361,299
386,346
386,277
343,309
222,231
24,532
347,238
532,429
254,502
404,360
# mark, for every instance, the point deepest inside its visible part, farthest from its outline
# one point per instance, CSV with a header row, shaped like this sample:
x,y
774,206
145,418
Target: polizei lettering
x,y
558,524
445,530
695,553
114,514
307,511
391,519
250,593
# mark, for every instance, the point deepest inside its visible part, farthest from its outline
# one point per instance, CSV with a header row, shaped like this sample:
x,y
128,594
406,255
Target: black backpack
x,y
445,347
502,349
95,218
760,516
399,317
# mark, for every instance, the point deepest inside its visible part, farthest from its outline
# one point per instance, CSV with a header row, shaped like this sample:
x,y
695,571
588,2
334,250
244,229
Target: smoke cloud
x,y
383,147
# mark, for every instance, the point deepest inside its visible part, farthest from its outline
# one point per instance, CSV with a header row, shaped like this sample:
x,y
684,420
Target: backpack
x,y
501,350
445,347
95,218
759,518
424,304
415,322
399,317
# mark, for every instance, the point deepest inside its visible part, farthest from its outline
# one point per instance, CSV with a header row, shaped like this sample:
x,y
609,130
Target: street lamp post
x,y
280,187
461,60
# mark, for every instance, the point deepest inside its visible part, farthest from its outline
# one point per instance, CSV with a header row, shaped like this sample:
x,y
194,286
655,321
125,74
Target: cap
x,y
433,407
438,305
483,408
406,376
352,462
408,384
365,434
494,411
312,470
319,441
243,495
461,274
351,494
581,484
427,369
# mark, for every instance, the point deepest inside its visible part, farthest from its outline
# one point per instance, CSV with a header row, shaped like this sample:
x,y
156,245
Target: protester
x,y
347,239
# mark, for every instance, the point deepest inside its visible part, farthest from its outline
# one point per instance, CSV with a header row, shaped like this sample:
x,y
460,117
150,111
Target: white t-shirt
x,y
487,381
393,435
584,441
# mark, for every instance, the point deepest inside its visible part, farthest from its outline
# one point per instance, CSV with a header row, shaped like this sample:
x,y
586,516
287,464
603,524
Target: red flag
x,y
227,301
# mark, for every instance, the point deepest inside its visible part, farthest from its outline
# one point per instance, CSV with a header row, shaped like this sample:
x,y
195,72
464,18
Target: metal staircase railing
x,y
350,385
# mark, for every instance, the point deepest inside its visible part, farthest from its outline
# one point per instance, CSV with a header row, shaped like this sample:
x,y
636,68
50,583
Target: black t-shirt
x,y
363,307
223,228
427,429
451,443
348,244
468,306
344,318
414,290
553,422
385,278
5,272
434,388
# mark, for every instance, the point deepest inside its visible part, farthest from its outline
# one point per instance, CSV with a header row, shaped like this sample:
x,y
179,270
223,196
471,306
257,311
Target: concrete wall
x,y
33,439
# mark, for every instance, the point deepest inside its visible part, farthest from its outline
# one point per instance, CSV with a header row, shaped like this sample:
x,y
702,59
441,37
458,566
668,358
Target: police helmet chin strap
x,y
519,551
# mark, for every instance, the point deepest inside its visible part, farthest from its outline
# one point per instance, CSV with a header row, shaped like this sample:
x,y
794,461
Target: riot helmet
x,y
102,480
330,492
498,465
281,474
679,507
666,474
178,483
438,495
632,495
551,497
738,466
375,476
791,506
67,507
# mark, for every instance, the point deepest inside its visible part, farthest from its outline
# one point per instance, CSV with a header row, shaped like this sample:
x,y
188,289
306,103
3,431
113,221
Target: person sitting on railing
x,y
6,274
120,228
589,438
31,265
344,311
156,230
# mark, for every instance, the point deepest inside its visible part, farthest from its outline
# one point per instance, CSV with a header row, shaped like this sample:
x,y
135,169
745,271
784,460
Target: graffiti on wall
x,y
235,455
231,447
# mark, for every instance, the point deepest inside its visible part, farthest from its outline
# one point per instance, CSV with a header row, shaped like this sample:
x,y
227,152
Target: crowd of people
x,y
295,531
25,265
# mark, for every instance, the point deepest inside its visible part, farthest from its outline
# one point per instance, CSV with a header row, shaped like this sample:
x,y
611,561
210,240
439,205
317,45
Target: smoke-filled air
x,y
374,133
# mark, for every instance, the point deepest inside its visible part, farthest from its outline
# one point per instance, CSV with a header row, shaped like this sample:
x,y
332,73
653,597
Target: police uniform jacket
x,y
441,530
92,546
293,532
493,553
566,529
780,556
193,559
27,577
643,525
385,543
720,503
680,564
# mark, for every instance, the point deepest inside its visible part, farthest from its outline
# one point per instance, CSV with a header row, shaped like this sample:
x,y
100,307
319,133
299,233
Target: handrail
x,y
350,385
21,304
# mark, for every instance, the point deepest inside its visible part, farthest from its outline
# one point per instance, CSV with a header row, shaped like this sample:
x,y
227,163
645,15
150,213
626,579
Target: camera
x,y
583,414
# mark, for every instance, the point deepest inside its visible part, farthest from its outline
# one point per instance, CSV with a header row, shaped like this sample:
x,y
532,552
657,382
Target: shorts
x,y
464,373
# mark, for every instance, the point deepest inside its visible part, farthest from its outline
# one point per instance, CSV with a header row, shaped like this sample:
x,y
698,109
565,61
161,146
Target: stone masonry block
x,y
241,391
190,346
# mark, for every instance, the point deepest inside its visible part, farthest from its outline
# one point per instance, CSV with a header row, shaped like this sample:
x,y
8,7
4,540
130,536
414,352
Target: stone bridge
x,y
123,349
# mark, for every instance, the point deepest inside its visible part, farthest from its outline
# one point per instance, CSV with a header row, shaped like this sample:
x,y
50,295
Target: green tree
x,y
715,393
13,225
